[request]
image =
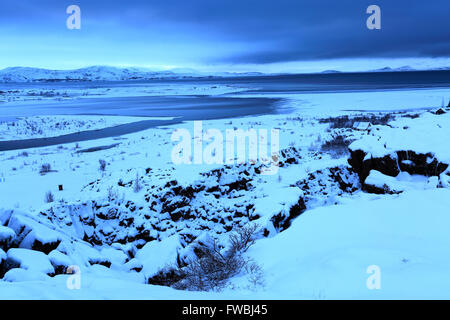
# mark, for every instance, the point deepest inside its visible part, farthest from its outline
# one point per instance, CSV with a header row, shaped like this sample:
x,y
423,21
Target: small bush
x,y
349,121
49,197
337,146
214,266
242,239
137,186
102,164
112,194
45,168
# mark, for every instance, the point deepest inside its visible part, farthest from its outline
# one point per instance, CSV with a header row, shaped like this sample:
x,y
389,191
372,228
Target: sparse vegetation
x,y
214,265
349,121
102,165
49,197
411,115
45,168
137,186
337,146
112,194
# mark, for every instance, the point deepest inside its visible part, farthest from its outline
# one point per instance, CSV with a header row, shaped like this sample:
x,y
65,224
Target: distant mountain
x,y
408,68
442,68
389,69
103,73
331,71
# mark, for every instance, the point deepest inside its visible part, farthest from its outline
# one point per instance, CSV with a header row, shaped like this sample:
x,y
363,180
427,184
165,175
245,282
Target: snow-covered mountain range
x,y
107,73
103,73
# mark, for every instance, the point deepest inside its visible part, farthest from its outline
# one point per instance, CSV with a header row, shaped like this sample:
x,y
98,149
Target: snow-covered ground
x,y
126,210
62,93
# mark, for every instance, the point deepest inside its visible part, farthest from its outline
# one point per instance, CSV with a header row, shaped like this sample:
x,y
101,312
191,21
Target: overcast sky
x,y
262,34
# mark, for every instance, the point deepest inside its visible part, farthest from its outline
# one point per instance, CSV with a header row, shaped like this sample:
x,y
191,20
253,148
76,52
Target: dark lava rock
x,y
393,164
45,247
281,222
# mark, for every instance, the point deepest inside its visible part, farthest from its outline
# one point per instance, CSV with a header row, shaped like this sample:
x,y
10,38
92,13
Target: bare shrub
x,y
337,146
255,275
45,168
411,115
349,121
49,197
112,194
137,186
242,239
214,265
102,164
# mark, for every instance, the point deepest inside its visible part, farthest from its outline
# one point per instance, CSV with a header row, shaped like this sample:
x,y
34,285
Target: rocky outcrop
x,y
396,162
282,221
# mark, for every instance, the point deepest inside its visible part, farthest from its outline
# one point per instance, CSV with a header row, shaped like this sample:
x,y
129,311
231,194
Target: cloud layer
x,y
222,31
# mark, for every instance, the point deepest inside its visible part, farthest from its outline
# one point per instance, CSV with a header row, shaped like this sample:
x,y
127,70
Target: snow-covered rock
x,y
41,239
22,275
28,260
417,146
59,261
33,235
133,265
4,216
115,256
389,159
379,183
7,236
2,256
156,255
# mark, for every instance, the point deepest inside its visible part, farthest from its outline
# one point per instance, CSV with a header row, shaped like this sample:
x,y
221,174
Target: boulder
x,y
156,255
282,220
362,164
394,163
4,216
59,261
7,236
114,256
35,261
2,263
21,275
379,183
33,235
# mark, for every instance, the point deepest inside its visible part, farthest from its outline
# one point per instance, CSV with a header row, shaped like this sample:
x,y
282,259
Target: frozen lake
x,y
260,95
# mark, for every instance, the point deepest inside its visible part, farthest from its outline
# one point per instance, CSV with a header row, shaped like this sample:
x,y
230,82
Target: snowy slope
x,y
326,251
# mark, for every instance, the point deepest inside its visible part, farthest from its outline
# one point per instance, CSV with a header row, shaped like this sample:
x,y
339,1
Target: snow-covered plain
x,y
50,92
120,237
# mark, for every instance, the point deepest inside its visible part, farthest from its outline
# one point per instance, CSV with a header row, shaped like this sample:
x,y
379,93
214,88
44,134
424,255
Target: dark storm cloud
x,y
269,30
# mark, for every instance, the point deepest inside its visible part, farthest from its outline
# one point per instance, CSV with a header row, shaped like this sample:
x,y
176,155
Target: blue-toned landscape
x,y
234,158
